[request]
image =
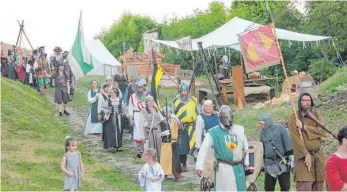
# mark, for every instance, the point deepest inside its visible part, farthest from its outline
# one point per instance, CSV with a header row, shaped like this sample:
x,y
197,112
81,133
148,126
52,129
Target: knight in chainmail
x,y
278,153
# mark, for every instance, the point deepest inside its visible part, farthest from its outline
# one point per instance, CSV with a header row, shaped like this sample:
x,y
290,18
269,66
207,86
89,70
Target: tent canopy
x,y
227,35
104,62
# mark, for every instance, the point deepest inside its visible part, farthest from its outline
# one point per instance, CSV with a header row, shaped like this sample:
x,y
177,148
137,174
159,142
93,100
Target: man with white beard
x,y
136,104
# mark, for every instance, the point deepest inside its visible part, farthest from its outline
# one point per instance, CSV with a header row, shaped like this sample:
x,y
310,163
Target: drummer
x,y
229,143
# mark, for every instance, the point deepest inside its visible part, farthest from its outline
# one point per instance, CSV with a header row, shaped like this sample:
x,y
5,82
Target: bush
x,y
321,68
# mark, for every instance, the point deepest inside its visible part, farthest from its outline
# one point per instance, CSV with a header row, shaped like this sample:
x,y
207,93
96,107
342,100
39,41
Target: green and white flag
x,y
80,59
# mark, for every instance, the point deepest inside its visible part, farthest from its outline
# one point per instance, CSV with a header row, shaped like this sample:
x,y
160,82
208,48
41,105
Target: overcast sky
x,y
52,23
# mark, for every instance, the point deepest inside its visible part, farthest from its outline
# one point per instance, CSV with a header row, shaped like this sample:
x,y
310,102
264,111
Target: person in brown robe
x,y
309,159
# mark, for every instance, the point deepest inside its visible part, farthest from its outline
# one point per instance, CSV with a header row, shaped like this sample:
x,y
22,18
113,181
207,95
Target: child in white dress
x,y
151,174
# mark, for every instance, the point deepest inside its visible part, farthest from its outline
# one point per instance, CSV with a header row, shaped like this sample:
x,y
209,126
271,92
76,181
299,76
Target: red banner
x,y
259,48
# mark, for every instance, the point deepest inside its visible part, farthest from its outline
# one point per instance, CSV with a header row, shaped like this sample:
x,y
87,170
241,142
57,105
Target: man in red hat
x,y
61,59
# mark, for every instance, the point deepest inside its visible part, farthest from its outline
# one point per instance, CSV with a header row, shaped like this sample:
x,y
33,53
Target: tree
x,y
128,29
329,18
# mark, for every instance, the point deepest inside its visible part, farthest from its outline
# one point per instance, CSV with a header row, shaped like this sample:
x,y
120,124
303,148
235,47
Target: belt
x,y
190,123
232,163
273,158
136,111
154,128
313,153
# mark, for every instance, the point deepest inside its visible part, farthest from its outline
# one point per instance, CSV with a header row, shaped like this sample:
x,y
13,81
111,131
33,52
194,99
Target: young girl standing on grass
x,y
151,174
72,165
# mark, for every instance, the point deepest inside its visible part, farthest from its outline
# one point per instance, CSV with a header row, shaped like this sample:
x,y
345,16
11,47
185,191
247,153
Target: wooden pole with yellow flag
x,y
286,77
283,65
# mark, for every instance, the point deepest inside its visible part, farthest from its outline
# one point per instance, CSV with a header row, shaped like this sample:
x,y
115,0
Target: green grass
x,y
331,84
33,145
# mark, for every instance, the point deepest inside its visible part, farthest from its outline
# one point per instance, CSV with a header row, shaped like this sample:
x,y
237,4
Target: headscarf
x,y
149,98
165,109
141,83
207,102
108,77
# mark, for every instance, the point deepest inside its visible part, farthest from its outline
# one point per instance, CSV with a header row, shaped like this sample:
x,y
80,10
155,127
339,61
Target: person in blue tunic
x,y
207,119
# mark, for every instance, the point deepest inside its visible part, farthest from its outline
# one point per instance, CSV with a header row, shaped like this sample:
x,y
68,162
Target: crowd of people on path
x,y
36,69
165,136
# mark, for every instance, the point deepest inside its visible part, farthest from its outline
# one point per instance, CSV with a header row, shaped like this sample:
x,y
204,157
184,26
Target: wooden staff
x,y
286,77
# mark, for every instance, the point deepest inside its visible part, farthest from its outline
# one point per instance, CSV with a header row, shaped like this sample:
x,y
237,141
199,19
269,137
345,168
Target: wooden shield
x,y
258,161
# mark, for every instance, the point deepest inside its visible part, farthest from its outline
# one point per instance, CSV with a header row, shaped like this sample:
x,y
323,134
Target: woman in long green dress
x,y
94,126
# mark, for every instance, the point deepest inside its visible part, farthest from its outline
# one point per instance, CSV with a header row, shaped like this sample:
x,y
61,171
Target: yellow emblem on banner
x,y
252,53
266,40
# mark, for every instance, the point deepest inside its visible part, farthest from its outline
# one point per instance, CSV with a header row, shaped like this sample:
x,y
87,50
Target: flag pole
x,y
286,77
163,71
283,66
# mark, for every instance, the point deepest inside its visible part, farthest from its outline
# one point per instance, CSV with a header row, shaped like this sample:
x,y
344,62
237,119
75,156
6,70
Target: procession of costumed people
x,y
166,137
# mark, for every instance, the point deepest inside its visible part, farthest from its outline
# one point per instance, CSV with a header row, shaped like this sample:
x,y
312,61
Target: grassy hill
x,y
33,145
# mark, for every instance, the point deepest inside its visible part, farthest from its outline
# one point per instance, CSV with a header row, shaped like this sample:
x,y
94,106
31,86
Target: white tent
x,y
227,35
103,60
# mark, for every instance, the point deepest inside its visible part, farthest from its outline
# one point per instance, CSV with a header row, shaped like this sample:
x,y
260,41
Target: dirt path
x,y
126,160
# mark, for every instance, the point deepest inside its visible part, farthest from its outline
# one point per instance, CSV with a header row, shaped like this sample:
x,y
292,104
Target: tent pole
x,y
286,77
20,31
26,36
215,61
192,81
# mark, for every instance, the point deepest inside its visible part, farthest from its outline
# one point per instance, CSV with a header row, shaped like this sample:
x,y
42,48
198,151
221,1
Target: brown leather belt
x,y
232,163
